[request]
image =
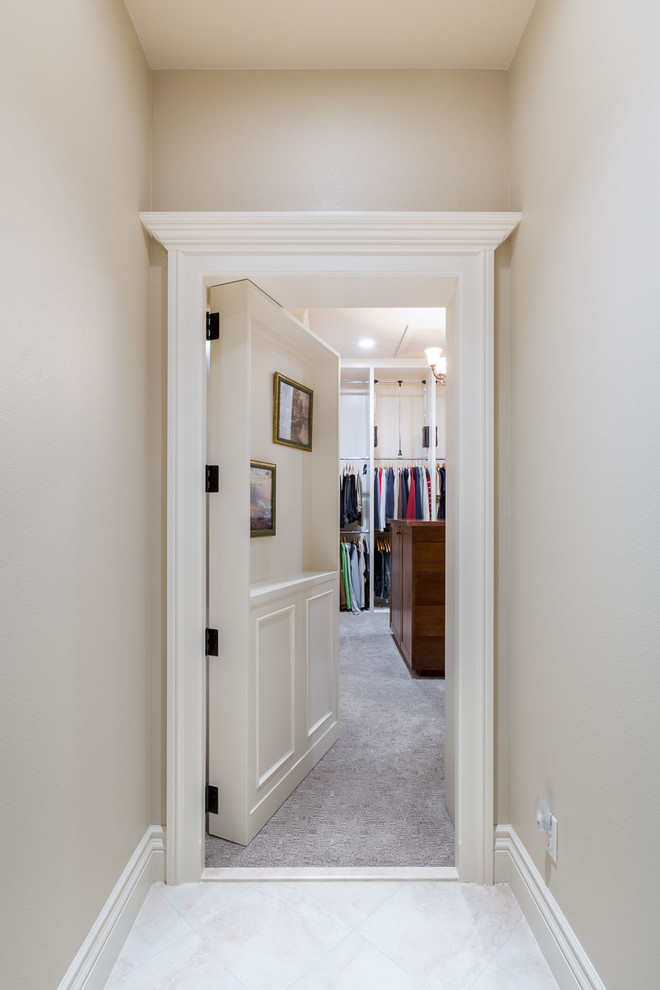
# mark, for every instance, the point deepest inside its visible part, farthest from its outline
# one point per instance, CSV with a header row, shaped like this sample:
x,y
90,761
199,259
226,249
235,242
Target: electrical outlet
x,y
551,840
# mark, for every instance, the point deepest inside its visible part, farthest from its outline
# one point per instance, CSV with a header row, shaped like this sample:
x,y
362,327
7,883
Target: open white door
x,y
272,689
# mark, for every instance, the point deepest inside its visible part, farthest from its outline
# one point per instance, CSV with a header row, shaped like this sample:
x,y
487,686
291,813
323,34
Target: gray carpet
x,y
377,797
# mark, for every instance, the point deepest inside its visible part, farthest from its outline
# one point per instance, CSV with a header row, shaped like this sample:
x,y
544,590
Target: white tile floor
x,y
349,935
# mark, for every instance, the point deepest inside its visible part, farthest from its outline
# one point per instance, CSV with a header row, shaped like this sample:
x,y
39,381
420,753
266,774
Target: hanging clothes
x,y
355,576
364,576
411,509
420,492
401,493
350,496
440,487
382,569
390,498
345,594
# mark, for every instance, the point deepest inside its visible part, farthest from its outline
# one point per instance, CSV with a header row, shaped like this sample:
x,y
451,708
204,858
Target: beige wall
x,y
585,473
74,511
330,140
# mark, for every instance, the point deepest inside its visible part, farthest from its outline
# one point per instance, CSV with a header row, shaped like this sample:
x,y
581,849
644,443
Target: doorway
x,y
383,247
377,798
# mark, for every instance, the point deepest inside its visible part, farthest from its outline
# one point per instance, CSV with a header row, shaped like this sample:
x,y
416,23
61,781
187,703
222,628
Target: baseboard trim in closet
x,y
227,873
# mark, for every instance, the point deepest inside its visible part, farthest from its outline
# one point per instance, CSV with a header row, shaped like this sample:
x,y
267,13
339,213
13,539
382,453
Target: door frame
x,y
207,247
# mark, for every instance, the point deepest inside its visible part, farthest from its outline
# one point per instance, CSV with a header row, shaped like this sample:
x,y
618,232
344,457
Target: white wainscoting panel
x,y
295,645
320,643
275,684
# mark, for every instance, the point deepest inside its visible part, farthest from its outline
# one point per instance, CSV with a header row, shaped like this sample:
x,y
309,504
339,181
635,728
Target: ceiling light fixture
x,y
437,364
366,343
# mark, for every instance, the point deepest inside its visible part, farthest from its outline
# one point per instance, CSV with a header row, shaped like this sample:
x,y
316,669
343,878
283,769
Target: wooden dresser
x,y
417,594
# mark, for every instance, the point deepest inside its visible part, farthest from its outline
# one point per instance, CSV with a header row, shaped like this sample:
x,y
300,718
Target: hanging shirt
x,y
442,479
383,486
345,575
389,501
410,510
362,566
354,577
405,490
419,494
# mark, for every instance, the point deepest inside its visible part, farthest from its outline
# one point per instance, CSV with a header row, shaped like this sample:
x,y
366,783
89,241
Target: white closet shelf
x,y
263,589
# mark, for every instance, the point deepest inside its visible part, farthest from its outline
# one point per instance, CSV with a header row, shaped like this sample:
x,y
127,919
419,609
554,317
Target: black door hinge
x,y
211,643
213,326
212,478
211,802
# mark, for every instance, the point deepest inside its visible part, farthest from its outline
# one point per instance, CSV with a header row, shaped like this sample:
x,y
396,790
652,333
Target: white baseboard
x,y
570,965
97,955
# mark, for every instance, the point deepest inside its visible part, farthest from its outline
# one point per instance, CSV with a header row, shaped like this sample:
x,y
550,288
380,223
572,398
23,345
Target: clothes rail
x,y
409,460
400,381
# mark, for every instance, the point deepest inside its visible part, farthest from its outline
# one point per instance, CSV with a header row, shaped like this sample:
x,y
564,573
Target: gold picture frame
x,y
293,406
263,501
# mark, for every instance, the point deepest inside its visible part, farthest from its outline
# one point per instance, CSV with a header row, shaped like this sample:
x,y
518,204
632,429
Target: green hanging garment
x,y
344,574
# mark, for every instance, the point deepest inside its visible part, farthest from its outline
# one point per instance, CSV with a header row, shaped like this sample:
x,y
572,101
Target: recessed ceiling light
x,y
366,343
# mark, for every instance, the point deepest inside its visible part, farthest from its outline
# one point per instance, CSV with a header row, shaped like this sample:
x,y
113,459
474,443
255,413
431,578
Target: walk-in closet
x,y
376,798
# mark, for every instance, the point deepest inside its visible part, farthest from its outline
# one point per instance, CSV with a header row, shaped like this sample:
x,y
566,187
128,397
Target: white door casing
x,y
204,248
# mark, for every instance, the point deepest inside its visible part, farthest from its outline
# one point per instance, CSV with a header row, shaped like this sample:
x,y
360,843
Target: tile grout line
x,y
254,885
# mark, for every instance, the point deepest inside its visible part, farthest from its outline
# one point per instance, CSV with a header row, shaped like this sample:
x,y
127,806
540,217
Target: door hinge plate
x,y
213,326
212,478
211,803
211,642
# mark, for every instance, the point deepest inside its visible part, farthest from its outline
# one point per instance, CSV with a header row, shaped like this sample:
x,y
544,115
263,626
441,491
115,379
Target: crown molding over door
x,y
330,233
211,247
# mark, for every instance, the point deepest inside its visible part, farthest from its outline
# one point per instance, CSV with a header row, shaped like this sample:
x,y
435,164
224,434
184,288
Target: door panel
x,y
273,688
321,679
275,684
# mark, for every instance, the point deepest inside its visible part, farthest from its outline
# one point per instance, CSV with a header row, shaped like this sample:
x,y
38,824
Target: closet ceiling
x,y
343,309
315,34
396,333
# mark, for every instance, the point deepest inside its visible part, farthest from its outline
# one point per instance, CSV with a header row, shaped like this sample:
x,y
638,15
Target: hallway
x,y
377,797
352,935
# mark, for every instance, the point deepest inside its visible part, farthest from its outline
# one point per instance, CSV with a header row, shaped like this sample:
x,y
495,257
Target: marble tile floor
x,y
348,935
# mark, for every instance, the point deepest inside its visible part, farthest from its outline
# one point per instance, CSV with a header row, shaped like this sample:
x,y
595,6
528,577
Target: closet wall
x,y
372,397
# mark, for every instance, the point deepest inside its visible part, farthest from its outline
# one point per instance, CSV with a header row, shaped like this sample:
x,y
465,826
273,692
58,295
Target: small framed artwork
x,y
262,498
292,413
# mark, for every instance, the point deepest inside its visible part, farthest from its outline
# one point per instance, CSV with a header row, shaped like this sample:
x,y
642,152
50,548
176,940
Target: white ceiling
x,y
329,34
342,309
396,333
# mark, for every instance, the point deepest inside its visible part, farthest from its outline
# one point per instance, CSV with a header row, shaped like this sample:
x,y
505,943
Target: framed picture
x,y
292,413
262,498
